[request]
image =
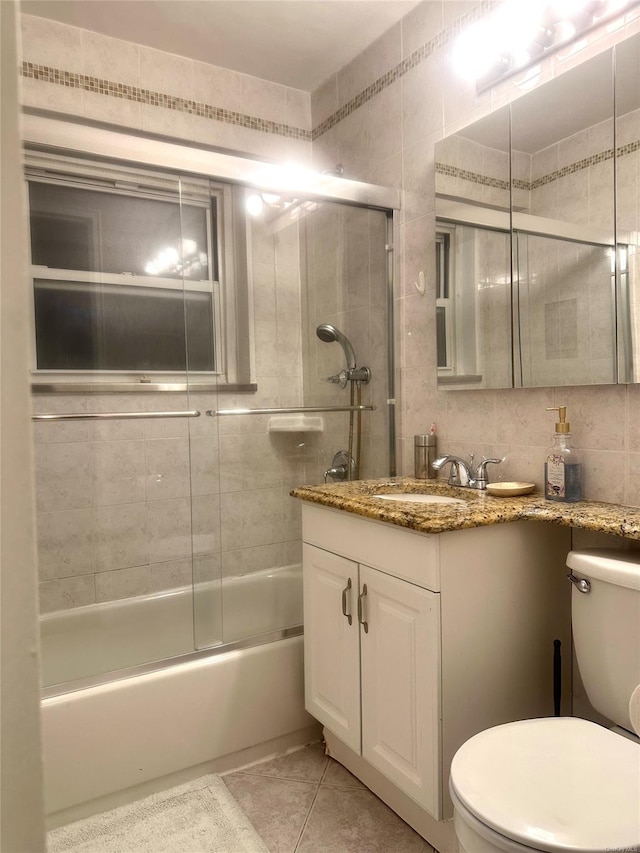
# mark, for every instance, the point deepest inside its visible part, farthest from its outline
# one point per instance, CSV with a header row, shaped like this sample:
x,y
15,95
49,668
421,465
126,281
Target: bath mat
x,y
199,817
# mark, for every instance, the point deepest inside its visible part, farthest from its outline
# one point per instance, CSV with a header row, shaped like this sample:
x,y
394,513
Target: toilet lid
x,y
555,784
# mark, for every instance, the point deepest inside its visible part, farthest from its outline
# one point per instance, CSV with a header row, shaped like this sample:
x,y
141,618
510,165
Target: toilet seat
x,y
473,835
553,784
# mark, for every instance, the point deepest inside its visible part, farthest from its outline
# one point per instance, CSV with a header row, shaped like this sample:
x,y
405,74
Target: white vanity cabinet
x,y
415,642
372,667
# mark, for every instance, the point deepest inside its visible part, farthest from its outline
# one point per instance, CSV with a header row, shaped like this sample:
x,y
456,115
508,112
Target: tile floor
x,y
305,802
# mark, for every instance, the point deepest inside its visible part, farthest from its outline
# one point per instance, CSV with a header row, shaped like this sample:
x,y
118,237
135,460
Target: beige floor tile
x,y
277,808
303,765
356,821
338,776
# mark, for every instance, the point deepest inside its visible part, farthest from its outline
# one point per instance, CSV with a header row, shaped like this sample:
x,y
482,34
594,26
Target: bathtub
x,y
110,636
214,710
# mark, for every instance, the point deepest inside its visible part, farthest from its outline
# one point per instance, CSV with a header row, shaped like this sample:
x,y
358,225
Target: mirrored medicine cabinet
x,y
538,221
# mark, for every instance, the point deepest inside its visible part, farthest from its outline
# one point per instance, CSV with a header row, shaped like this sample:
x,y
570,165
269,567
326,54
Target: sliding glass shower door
x,y
309,264
123,314
181,391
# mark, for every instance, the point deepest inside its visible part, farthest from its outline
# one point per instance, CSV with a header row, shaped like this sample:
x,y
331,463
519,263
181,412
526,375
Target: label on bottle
x,y
555,484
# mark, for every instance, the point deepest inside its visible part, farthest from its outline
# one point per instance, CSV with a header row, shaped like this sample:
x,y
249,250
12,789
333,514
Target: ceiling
x,y
298,43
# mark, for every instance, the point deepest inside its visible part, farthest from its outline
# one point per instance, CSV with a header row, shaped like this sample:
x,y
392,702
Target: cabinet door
x,y
331,643
400,663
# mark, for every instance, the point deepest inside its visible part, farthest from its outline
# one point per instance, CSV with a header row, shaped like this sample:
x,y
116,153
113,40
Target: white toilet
x,y
563,783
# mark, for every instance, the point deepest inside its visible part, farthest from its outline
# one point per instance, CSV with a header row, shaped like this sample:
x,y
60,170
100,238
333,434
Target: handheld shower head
x,y
329,334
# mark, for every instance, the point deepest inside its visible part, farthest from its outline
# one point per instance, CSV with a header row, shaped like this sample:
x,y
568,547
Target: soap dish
x,y
510,490
296,423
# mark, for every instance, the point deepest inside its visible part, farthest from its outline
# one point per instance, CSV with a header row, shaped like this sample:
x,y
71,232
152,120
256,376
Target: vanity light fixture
x,y
518,35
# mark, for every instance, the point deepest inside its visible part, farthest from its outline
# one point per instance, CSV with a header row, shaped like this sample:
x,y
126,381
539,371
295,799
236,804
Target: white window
x,y
445,303
127,268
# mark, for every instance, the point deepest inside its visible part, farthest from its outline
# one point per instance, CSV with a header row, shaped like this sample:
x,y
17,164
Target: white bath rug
x,y
199,817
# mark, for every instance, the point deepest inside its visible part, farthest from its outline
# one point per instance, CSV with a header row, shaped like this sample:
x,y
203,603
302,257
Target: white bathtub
x,y
107,744
101,638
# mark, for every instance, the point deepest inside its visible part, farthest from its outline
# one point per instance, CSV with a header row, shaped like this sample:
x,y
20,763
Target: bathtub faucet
x,y
462,473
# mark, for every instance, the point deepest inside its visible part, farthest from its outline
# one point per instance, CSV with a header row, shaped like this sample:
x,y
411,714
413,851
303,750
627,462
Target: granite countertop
x,y
478,510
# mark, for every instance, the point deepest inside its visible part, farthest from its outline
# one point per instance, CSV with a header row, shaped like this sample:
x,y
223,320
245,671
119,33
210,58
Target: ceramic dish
x,y
509,490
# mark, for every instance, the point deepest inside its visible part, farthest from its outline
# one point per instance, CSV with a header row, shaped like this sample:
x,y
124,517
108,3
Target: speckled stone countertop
x,y
479,508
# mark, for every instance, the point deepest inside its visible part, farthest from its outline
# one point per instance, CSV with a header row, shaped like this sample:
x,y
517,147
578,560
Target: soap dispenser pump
x,y
562,470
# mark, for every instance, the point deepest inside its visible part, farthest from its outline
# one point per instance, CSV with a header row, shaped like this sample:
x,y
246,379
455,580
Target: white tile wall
x,y
116,517
68,48
115,522
436,103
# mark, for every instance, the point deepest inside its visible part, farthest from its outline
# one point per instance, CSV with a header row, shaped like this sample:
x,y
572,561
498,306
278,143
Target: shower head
x,y
329,334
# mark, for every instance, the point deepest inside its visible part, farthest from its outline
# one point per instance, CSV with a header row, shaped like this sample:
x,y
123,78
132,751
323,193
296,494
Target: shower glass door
x,y
307,263
177,374
123,315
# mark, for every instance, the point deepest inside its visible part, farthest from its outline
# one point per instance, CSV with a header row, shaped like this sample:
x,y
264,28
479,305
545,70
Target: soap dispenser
x,y
562,470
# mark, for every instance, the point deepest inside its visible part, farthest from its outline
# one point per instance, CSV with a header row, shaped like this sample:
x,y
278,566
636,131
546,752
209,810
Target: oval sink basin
x,y
412,497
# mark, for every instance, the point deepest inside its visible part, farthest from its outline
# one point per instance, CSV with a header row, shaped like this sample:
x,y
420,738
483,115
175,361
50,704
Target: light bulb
x,y
254,205
565,31
473,53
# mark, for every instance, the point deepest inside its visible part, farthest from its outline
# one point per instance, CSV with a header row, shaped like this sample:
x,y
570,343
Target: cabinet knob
x,y
344,601
361,598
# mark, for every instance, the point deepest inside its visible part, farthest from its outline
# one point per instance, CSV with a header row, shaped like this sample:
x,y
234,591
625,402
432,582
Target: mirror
x,y
531,290
627,161
473,267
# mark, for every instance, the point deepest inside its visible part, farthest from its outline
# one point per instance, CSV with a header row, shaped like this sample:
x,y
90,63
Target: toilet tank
x,y
606,629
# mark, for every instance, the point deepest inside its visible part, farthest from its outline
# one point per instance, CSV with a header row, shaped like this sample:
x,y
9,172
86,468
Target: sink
x,y
413,497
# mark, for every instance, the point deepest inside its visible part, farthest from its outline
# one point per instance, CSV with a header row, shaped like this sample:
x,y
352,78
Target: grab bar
x,y
112,416
294,410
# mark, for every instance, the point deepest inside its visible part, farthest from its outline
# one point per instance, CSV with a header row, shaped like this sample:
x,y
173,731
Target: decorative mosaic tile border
x,y
402,68
518,183
158,99
571,169
146,96
472,177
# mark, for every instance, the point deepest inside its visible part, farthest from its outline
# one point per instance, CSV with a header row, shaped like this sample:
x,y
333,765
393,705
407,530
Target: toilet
x,y
564,783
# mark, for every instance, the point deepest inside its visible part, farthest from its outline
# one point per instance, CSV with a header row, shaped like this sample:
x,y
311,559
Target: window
x,y
444,302
126,269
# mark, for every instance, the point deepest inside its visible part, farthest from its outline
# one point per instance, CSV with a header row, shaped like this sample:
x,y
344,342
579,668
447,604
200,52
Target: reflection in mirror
x,y
627,207
565,305
563,234
473,308
568,196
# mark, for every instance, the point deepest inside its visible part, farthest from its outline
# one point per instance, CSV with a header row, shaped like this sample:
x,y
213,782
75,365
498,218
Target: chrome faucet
x,y
462,473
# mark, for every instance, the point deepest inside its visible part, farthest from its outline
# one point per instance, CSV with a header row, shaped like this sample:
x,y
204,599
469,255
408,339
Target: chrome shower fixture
x,y
345,465
329,334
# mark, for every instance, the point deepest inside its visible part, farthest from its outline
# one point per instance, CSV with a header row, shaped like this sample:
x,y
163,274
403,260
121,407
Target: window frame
x,y
227,255
445,293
